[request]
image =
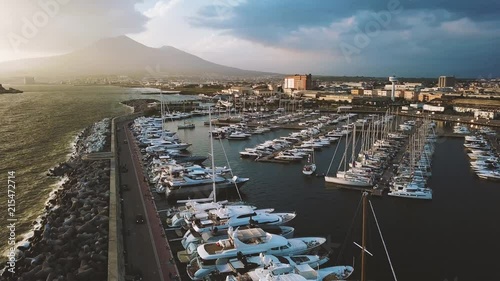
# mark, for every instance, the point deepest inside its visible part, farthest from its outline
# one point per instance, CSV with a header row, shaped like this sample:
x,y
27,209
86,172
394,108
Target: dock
x,y
372,191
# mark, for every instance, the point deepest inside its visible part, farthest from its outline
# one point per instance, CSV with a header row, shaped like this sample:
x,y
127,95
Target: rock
x,y
84,275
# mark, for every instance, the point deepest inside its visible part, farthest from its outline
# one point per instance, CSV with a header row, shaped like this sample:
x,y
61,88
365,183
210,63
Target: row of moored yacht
x,y
297,145
236,241
410,180
173,172
483,160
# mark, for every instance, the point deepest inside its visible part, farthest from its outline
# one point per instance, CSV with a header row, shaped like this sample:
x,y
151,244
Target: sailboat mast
x,y
161,115
363,239
212,153
346,145
353,152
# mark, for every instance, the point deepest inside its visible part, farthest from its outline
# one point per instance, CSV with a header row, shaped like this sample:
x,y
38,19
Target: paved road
x,y
147,249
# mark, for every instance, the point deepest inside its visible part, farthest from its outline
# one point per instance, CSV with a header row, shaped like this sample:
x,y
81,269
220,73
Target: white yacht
x,y
224,218
413,191
238,136
489,174
459,129
288,272
243,264
196,210
350,180
191,239
194,186
247,242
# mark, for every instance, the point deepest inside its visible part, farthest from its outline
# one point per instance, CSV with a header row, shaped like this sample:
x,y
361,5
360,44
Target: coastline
x,y
69,239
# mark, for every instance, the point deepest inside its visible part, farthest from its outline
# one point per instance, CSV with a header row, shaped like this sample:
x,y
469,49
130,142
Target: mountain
x,y
121,56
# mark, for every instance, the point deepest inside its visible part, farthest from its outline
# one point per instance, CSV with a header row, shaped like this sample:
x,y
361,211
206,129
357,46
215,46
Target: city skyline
x,y
360,38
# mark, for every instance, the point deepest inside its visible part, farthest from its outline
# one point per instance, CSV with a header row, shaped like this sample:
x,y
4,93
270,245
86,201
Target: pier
x,y
455,118
145,249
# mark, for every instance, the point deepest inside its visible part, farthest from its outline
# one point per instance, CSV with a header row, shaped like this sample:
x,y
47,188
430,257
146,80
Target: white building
x,y
405,86
383,93
433,108
289,83
373,92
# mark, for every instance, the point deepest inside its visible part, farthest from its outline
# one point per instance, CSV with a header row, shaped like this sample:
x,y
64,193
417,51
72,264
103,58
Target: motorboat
x,y
195,210
412,191
247,242
192,239
243,264
288,272
310,166
224,218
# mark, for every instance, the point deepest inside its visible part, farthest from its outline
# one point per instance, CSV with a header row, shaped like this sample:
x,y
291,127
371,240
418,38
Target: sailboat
x,y
186,124
350,177
310,166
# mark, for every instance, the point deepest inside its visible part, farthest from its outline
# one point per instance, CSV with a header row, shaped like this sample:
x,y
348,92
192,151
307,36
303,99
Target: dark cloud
x,y
419,33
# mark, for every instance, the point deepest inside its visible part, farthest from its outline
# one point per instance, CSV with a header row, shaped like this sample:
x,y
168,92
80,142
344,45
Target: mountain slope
x,y
121,56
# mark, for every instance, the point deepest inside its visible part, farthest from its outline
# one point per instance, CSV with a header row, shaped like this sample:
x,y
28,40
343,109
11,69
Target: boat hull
x,y
201,191
346,182
411,195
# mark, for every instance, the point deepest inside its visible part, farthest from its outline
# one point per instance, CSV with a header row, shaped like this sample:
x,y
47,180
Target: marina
x,y
250,140
435,226
382,185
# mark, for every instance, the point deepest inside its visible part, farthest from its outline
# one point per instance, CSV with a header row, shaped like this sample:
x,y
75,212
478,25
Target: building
x,y
29,80
486,114
358,92
336,98
429,96
307,94
264,93
238,91
384,93
446,81
433,108
410,95
298,82
368,92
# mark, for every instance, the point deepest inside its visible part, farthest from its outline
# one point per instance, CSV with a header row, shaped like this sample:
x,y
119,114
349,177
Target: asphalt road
x,y
146,248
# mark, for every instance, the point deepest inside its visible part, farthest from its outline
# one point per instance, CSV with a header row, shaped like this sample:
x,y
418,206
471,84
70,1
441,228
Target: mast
x,y
363,238
353,152
161,115
212,153
346,145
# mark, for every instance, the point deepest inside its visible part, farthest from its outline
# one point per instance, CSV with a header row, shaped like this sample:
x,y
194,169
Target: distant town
x,y
444,94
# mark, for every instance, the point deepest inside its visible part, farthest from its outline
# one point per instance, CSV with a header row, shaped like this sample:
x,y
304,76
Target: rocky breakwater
x,y
71,243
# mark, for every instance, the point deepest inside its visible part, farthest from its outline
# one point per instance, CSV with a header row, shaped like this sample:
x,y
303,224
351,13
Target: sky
x,y
406,38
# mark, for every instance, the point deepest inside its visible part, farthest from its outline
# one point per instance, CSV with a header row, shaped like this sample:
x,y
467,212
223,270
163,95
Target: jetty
x,y
145,248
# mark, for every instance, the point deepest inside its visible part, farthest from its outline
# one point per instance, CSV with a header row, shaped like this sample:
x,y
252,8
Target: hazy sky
x,y
339,37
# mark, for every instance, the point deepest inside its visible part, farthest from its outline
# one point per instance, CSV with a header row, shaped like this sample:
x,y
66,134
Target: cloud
x,y
161,8
63,25
382,38
419,38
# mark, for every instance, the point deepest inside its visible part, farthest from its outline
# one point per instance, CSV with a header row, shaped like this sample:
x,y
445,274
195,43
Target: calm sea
x,y
452,237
